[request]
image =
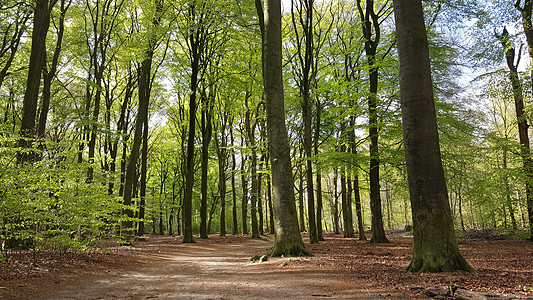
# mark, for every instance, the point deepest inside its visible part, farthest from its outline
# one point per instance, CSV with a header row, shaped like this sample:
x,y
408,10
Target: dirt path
x,y
220,268
223,271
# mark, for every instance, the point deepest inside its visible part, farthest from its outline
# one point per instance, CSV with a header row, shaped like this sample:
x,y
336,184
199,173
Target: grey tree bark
x,y
435,245
288,239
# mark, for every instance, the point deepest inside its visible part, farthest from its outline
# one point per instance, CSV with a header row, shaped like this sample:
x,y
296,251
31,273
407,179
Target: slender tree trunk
x,y
360,224
319,204
48,75
336,203
253,196
206,125
270,209
435,245
260,200
235,228
144,171
288,239
41,23
301,198
244,200
523,126
142,117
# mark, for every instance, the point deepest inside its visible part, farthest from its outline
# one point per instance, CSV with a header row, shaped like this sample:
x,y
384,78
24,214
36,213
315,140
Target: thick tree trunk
x,y
288,240
435,245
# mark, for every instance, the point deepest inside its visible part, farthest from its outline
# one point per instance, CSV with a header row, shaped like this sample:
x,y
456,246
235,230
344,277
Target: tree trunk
x,y
336,226
206,126
142,117
41,23
48,75
301,197
288,240
523,135
435,245
370,26
144,171
235,228
270,209
244,200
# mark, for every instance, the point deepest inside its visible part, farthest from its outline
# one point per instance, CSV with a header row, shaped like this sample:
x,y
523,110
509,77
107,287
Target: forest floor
x,y
220,268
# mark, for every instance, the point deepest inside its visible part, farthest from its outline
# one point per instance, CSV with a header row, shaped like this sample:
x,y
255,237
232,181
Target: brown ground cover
x,y
220,268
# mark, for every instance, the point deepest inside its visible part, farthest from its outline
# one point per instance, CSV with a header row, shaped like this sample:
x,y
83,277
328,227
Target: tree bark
x,y
41,23
235,228
207,130
435,245
523,126
288,240
48,75
370,26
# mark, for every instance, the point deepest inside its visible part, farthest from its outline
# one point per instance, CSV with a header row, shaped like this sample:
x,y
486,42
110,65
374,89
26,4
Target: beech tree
x,y
41,23
435,245
288,239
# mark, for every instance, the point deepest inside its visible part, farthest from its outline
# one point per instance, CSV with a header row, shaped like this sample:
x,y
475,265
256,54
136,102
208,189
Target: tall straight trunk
x,y
244,200
346,201
144,171
319,204
235,228
195,41
370,26
41,23
347,218
336,226
270,209
253,196
288,239
435,245
206,126
305,59
358,210
378,231
221,148
508,202
301,198
523,134
260,200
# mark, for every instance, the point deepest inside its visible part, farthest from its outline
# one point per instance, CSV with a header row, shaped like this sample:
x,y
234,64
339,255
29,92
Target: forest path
x,y
217,269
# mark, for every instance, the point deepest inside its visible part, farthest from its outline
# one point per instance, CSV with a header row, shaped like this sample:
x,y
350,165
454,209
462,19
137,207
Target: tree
x,y
288,239
525,151
305,54
435,245
41,23
370,25
141,122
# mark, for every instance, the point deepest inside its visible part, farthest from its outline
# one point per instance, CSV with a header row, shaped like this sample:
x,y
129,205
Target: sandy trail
x,y
224,271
